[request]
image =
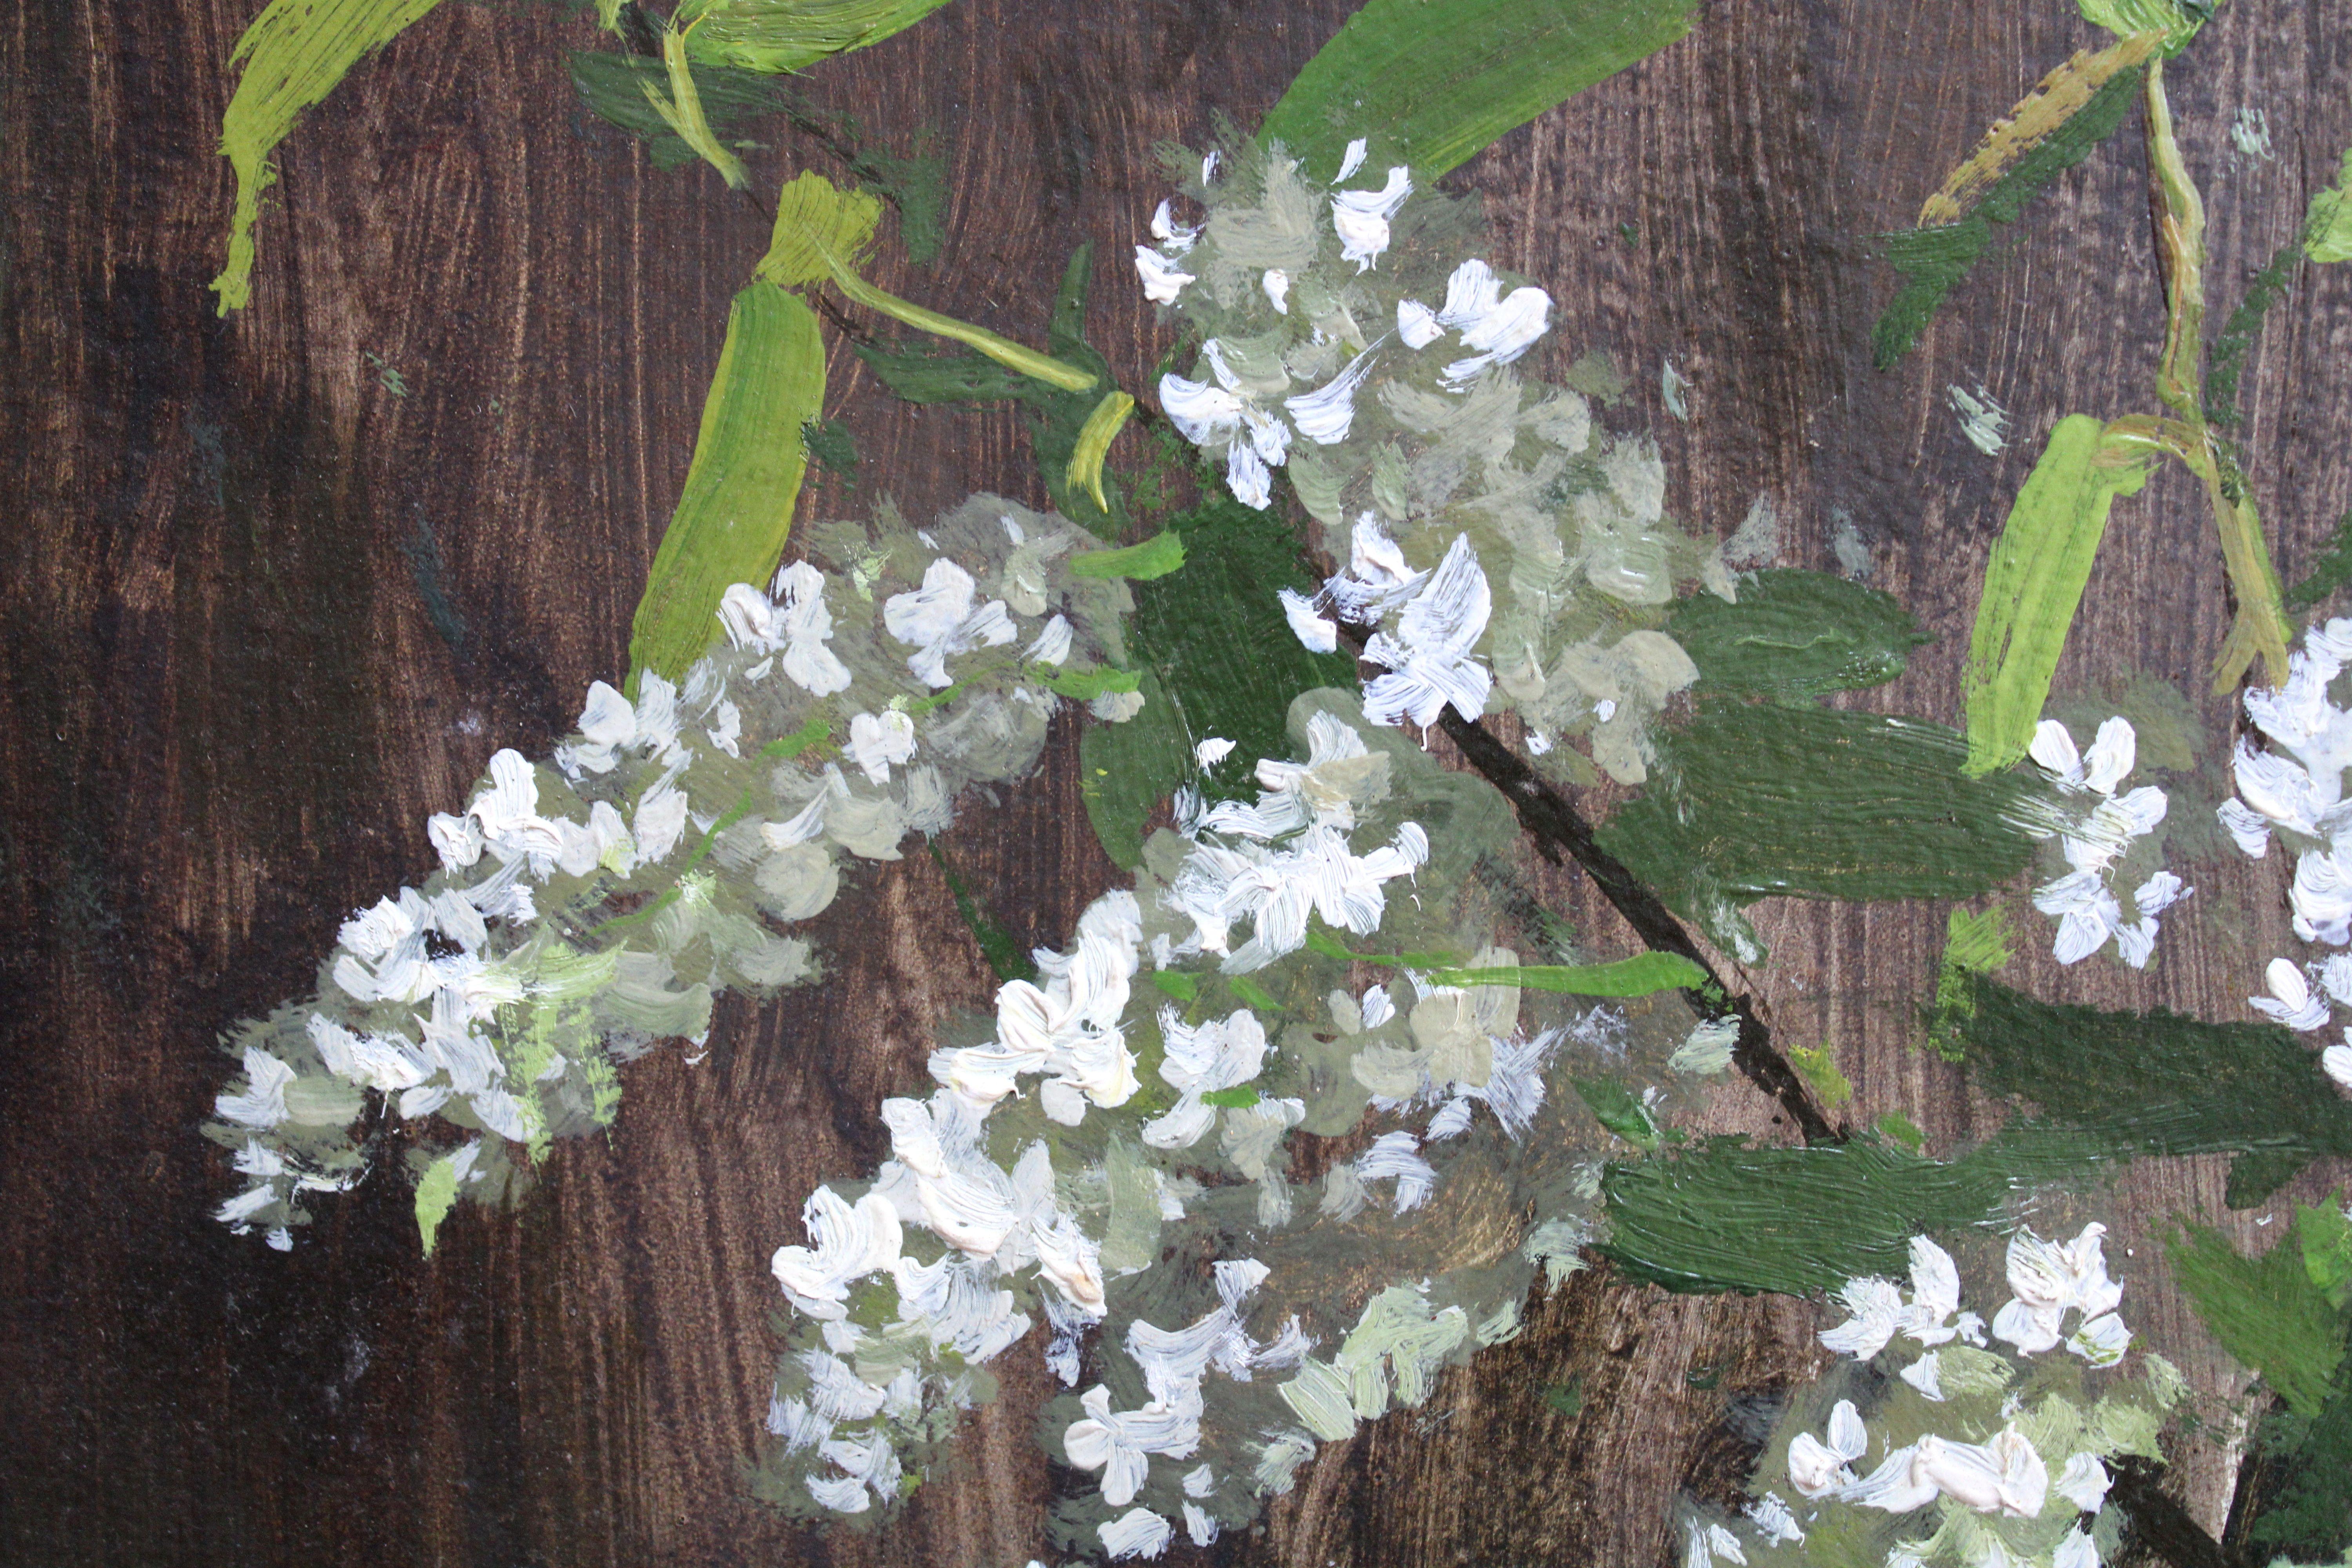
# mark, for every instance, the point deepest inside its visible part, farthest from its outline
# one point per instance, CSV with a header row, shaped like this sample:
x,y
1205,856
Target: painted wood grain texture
x,y
228,711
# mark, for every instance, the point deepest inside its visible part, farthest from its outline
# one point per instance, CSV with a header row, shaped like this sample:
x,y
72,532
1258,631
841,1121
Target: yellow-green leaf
x,y
2327,224
817,225
1095,437
437,1194
773,36
2034,583
294,54
682,112
737,507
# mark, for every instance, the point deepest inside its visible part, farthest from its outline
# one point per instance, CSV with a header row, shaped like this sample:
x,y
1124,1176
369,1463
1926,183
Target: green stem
x,y
1004,351
2260,628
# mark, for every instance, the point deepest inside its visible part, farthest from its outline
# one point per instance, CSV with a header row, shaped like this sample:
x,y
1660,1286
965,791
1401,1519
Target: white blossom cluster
x,y
1110,1163
2293,791
1348,340
591,904
1967,1464
2097,836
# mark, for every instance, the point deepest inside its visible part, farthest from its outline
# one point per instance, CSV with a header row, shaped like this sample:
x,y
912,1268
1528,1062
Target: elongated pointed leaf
x,y
2033,585
294,54
737,507
1434,83
774,36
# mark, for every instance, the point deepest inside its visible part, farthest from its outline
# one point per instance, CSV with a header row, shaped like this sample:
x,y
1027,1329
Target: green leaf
x,y
736,507
2178,20
1223,661
1933,259
819,229
437,1194
294,54
613,86
1435,83
2155,1083
1795,634
2266,1311
1617,1108
2325,1233
1230,1098
2033,583
776,36
1752,800
1641,976
1792,1220
1155,557
2327,223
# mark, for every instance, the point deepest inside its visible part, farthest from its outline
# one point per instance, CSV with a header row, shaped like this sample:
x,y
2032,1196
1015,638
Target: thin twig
x,y
1557,825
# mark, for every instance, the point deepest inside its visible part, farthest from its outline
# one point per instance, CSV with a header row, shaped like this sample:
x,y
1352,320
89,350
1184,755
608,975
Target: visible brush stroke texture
x,y
2267,1312
1215,642
2227,360
1642,975
2330,573
2055,99
1758,802
1932,260
1794,635
2157,1083
294,54
1729,1218
777,36
1444,81
749,458
2327,223
613,86
1058,415
681,111
2040,566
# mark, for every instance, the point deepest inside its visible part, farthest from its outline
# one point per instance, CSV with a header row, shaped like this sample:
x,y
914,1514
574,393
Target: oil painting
x,y
981,782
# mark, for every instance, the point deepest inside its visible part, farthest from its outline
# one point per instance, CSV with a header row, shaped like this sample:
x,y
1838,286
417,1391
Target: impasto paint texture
x,y
1038,785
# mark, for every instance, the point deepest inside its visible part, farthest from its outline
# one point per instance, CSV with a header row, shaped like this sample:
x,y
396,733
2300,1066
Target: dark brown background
x,y
227,714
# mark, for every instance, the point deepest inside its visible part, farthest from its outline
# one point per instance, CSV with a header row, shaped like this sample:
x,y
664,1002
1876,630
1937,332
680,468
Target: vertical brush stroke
x,y
736,507
293,54
682,112
1438,83
2032,584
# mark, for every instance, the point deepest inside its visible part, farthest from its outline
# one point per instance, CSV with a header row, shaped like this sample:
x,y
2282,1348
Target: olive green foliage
x,y
2157,1083
1794,635
2267,1312
1221,662
1440,82
1726,1217
1763,800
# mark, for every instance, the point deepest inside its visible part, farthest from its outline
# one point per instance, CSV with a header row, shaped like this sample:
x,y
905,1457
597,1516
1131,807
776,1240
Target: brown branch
x,y
1557,825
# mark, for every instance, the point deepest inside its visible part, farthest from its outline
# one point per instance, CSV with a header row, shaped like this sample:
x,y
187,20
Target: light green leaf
x,y
1155,557
736,507
2032,584
294,54
818,226
2178,20
2327,225
1435,83
774,36
1637,977
436,1195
